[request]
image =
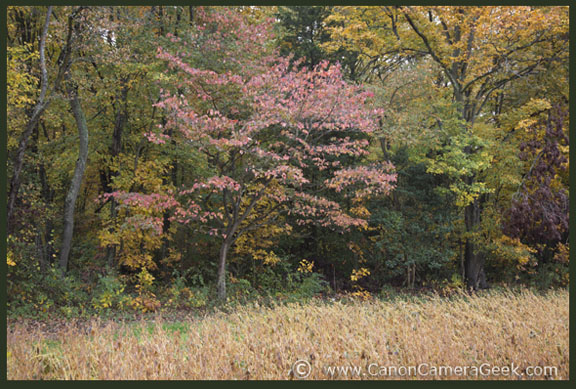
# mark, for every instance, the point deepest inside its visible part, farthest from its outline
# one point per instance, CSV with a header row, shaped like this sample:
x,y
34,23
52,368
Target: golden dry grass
x,y
526,329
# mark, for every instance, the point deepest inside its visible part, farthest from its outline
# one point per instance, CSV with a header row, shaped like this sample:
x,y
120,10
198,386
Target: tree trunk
x,y
221,285
41,249
473,259
37,111
111,249
107,174
385,147
72,195
45,227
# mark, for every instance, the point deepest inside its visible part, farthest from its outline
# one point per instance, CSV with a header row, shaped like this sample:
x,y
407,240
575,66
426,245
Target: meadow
x,y
524,330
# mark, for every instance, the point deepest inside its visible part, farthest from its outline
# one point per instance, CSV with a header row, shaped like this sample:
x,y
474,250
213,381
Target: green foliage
x,y
303,34
415,228
311,285
109,293
43,293
187,292
241,290
462,158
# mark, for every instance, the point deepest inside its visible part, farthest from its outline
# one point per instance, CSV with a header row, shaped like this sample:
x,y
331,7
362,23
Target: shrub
x,y
109,293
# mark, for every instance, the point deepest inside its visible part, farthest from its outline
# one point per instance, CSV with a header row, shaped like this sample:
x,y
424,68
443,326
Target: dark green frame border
x,y
3,171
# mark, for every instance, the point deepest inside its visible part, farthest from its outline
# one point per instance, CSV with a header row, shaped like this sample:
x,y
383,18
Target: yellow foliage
x,y
135,236
562,254
511,250
147,303
305,266
374,31
145,280
267,257
256,243
107,299
360,211
9,259
21,85
526,115
361,293
359,273
21,89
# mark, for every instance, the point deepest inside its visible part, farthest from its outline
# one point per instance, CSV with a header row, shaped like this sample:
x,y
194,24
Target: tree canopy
x,y
230,151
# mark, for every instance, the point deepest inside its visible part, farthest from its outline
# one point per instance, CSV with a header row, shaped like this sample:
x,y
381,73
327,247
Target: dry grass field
x,y
524,330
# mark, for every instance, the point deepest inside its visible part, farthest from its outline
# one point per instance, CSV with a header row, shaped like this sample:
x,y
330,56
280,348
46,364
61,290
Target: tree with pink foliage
x,y
265,127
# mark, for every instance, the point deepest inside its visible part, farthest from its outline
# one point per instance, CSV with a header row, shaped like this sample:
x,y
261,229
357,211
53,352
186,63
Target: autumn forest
x,y
168,161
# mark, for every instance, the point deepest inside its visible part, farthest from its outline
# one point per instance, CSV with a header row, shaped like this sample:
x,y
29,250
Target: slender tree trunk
x,y
191,14
164,250
45,227
115,149
111,249
221,285
41,248
385,147
64,61
37,111
230,238
72,195
473,258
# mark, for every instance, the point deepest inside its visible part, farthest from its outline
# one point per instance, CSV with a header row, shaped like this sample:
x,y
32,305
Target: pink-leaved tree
x,y
265,128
